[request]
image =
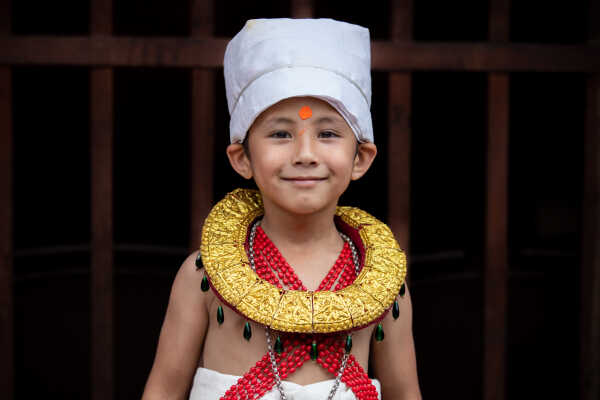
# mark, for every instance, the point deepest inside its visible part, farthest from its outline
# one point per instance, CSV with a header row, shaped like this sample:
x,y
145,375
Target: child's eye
x,y
328,134
281,135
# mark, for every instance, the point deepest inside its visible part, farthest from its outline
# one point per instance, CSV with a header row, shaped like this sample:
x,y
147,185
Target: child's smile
x,y
304,181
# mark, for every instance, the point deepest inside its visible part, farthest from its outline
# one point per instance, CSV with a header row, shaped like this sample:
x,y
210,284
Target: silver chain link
x,y
336,383
338,378
274,364
353,250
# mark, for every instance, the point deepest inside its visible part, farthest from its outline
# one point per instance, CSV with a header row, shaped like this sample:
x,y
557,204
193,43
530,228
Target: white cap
x,y
270,60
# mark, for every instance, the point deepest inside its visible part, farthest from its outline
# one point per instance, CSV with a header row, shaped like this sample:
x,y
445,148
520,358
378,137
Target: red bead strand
x,y
271,266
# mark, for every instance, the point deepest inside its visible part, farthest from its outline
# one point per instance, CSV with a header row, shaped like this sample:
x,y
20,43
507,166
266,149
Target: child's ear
x,y
239,160
364,158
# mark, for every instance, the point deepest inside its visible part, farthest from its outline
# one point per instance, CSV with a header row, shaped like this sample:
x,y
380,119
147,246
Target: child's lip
x,y
304,178
304,181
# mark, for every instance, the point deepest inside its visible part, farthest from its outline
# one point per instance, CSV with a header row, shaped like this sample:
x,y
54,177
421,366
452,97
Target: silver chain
x,y
353,250
338,378
344,361
336,383
274,364
251,244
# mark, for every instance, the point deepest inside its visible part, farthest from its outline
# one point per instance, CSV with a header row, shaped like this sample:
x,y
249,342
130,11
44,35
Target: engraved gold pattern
x,y
364,301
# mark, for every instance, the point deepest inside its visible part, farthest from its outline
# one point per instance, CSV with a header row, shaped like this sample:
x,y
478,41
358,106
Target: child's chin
x,y
302,203
306,207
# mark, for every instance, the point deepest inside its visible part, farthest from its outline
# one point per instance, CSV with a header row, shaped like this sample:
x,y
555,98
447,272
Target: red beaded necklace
x,y
295,349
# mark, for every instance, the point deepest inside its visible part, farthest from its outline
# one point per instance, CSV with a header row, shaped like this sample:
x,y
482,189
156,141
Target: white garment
x,y
274,59
211,385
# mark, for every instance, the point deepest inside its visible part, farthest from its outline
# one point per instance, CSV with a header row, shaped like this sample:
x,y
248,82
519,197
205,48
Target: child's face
x,y
302,155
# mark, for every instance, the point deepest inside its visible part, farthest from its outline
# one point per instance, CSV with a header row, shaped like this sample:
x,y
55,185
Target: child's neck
x,y
294,232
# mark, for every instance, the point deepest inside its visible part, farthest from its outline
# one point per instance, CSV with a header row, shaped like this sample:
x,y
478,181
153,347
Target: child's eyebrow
x,y
330,120
279,120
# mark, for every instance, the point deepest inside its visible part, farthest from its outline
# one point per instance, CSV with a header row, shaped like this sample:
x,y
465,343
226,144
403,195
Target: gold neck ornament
x,y
362,303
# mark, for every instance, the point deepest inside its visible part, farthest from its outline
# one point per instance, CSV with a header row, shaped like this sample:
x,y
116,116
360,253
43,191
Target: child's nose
x,y
305,148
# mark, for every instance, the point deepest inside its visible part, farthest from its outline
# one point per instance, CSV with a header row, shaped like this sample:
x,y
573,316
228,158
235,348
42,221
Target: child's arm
x,y
181,336
393,359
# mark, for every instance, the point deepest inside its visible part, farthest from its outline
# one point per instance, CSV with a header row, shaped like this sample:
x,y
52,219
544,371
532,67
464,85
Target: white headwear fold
x,y
270,60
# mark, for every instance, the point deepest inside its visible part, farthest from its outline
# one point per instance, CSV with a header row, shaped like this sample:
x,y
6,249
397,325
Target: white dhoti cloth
x,y
211,385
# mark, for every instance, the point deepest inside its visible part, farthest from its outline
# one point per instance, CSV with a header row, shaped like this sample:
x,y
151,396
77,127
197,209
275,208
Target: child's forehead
x,y
300,110
304,107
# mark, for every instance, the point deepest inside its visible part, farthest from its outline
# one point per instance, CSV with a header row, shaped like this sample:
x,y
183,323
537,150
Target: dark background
x,y
51,120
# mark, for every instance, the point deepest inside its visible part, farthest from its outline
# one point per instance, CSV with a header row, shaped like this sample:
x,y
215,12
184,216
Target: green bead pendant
x,y
379,335
396,310
220,315
199,261
247,331
278,345
204,285
402,290
314,351
348,346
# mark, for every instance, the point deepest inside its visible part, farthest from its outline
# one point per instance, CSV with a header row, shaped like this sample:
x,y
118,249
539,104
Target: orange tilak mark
x,y
305,112
302,131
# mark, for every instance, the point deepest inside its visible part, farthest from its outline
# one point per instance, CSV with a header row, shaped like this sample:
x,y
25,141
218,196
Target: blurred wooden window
x,y
113,125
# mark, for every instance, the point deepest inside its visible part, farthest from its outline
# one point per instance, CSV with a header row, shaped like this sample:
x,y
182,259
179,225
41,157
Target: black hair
x,y
246,145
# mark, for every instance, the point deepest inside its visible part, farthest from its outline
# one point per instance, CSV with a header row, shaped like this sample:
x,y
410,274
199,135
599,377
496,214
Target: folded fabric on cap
x,y
270,60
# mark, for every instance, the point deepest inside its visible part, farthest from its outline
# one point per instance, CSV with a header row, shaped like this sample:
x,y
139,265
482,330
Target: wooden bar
x,y
590,269
484,57
496,243
303,8
102,260
208,53
399,142
7,372
495,273
7,368
590,273
101,15
5,16
499,16
202,133
202,151
399,129
102,256
401,22
202,17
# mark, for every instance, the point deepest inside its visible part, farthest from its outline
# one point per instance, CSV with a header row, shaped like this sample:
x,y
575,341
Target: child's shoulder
x,y
191,265
187,285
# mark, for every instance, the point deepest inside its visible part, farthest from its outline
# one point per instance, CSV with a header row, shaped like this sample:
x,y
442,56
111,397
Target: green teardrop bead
x,y
379,335
220,316
278,345
314,351
247,331
402,290
396,310
348,346
199,261
204,285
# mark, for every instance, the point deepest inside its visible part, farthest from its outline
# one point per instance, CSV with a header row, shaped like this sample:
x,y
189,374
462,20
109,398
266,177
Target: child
x,y
289,294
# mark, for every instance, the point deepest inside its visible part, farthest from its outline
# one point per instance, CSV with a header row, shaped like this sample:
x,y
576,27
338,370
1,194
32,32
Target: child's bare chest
x,y
227,351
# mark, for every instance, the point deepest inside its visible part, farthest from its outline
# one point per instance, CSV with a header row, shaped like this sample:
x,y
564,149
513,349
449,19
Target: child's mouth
x,y
304,181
